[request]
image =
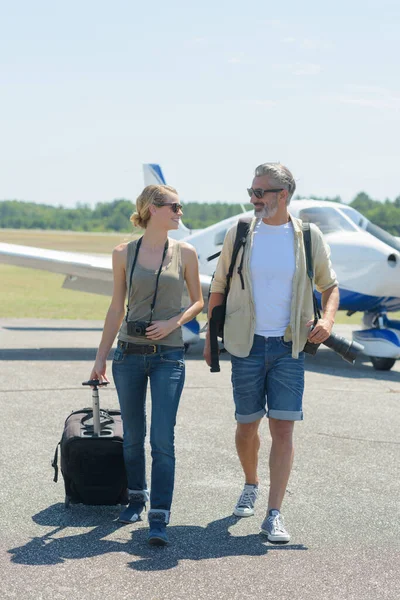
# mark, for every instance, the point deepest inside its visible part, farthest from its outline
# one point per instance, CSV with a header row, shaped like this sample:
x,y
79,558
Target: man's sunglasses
x,y
175,206
259,193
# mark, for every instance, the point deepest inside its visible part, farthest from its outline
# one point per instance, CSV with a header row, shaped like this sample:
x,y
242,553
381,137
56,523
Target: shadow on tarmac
x,y
39,354
187,542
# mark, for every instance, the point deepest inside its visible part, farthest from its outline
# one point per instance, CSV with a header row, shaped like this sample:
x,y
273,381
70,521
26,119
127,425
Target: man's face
x,y
267,206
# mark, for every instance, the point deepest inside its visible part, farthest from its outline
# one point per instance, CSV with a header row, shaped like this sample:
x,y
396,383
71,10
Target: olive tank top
x,y
169,295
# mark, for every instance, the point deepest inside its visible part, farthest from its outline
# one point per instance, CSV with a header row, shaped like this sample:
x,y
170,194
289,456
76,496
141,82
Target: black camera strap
x,y
139,243
310,269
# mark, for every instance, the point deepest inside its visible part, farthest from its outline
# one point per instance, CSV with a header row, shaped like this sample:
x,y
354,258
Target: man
x,y
268,319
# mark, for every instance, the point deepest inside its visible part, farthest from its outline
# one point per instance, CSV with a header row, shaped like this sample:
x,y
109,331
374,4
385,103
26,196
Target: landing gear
x,y
382,364
380,321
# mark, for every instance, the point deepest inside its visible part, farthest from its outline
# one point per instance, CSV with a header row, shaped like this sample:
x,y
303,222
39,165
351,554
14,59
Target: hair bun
x,y
136,220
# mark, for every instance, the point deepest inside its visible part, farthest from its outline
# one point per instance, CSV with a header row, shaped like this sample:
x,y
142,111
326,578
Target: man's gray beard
x,y
267,212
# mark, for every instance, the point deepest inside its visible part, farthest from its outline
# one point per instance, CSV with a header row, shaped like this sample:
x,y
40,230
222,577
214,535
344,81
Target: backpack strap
x,y
240,242
309,265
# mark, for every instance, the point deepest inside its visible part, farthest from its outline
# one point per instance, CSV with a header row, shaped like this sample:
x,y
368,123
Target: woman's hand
x,y
99,371
160,329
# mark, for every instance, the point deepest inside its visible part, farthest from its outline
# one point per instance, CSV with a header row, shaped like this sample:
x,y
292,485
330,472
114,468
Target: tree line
x,y
114,216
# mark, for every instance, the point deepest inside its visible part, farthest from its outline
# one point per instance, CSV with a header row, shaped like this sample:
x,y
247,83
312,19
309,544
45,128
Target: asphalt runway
x,y
341,507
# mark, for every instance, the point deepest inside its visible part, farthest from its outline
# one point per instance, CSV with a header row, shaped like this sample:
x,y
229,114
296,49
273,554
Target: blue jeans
x,y
270,377
166,371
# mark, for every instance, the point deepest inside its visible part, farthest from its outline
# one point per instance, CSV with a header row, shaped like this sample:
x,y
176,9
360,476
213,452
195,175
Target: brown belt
x,y
130,348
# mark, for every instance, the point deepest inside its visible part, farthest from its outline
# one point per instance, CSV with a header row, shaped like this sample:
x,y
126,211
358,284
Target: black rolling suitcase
x,y
92,462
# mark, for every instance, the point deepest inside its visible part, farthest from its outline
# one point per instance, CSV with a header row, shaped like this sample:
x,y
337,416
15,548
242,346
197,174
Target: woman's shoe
x,y
158,521
137,503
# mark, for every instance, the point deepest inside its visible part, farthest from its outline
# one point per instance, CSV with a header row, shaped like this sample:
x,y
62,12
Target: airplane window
x,y
374,230
327,218
219,237
353,214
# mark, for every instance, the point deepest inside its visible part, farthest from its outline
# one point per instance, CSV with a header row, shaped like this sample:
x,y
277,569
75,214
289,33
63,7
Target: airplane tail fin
x,y
153,175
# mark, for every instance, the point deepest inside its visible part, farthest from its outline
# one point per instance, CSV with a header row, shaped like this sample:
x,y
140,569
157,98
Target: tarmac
x,y
342,504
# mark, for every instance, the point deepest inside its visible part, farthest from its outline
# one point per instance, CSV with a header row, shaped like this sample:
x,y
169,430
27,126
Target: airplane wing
x,y
84,272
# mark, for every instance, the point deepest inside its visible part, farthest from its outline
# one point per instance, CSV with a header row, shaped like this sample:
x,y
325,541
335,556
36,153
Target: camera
x,y
137,328
348,350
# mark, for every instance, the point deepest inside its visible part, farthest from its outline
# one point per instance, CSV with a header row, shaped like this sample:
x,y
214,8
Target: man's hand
x,y
321,331
160,329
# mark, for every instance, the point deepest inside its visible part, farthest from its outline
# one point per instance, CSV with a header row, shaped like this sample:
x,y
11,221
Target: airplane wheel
x,y
382,364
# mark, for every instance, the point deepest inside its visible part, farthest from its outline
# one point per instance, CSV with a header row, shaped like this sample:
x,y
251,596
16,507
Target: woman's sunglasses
x,y
175,206
259,193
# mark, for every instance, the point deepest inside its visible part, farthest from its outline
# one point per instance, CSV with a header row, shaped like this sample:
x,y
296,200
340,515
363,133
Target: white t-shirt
x,y
272,265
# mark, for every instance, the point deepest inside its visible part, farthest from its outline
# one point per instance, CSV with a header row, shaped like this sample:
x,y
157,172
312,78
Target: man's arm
x,y
218,286
327,284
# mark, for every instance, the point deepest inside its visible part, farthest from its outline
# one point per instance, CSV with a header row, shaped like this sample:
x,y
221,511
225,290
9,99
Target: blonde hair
x,y
152,194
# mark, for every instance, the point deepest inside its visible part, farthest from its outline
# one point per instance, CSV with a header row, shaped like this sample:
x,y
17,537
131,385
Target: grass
x,y
38,294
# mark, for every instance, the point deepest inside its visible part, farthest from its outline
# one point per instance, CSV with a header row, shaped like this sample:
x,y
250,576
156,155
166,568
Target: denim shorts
x,y
269,377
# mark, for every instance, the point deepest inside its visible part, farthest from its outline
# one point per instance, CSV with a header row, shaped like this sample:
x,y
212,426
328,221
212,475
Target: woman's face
x,y
168,214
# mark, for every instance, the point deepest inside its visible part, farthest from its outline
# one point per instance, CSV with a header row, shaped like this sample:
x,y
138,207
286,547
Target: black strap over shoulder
x,y
309,265
307,246
240,242
138,244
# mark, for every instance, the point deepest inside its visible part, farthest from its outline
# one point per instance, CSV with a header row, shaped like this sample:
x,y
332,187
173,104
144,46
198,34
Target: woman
x,y
151,272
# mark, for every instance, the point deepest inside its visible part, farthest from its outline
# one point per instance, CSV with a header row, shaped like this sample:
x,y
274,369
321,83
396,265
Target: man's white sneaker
x,y
245,504
273,527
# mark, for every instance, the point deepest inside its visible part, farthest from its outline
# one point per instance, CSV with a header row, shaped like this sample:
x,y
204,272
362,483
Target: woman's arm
x,y
192,279
115,313
160,329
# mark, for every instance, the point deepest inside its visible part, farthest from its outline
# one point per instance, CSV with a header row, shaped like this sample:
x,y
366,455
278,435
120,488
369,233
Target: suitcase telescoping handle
x,y
95,384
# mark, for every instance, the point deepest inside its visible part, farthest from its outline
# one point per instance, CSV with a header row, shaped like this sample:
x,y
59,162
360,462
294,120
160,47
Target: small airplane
x,y
365,257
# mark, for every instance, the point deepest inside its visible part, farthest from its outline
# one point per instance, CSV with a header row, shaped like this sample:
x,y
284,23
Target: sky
x,y
91,90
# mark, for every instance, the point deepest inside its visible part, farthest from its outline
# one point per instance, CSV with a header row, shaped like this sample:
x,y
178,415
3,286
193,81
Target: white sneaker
x,y
245,504
273,527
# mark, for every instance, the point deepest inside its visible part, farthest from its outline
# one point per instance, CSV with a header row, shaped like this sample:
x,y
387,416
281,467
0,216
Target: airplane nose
x,y
364,264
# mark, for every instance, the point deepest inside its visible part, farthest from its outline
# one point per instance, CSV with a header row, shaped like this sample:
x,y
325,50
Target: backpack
x,y
217,320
